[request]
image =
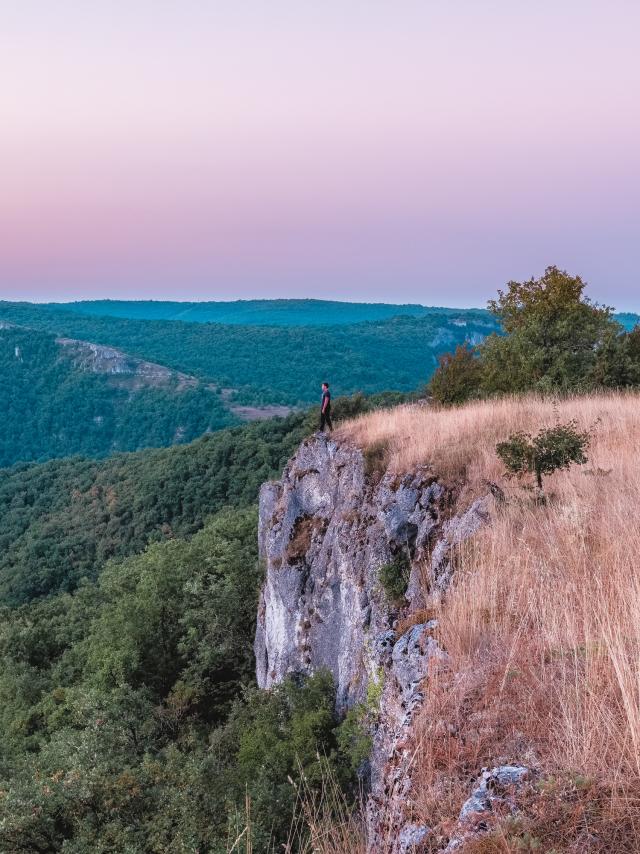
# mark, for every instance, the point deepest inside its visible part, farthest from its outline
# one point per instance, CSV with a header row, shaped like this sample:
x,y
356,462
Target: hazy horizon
x,y
626,310
408,153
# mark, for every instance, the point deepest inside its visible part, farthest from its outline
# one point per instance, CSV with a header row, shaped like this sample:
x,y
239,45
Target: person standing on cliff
x,y
325,408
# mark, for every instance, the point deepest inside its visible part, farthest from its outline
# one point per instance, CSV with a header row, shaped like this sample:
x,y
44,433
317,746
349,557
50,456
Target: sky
x,y
365,150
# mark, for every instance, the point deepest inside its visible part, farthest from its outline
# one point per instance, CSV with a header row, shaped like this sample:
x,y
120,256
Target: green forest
x,y
277,364
51,407
259,312
276,312
129,718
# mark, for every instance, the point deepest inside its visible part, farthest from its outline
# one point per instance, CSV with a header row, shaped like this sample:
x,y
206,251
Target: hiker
x,y
325,408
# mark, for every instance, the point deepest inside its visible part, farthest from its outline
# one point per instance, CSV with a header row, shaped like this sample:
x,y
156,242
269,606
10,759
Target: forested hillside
x,y
276,312
271,312
277,364
52,405
64,519
61,521
128,720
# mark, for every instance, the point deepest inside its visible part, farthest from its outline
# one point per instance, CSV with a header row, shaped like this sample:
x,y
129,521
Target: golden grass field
x,y
542,623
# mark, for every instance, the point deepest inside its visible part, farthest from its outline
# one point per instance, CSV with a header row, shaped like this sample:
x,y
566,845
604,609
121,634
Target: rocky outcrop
x,y
100,359
494,789
326,531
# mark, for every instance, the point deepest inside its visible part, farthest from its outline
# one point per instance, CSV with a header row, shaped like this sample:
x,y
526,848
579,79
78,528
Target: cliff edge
x,y
329,531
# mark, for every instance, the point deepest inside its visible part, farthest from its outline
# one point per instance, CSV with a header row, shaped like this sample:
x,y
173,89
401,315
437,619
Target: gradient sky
x,y
350,149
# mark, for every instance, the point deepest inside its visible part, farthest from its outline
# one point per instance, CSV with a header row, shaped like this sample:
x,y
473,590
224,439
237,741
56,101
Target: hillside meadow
x,y
541,624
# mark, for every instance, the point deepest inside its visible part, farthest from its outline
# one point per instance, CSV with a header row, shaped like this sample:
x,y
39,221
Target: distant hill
x,y
628,320
63,396
276,312
284,364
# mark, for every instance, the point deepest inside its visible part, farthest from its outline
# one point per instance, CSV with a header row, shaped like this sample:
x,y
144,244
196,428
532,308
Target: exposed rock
x,y
411,836
325,531
455,531
322,604
100,359
494,787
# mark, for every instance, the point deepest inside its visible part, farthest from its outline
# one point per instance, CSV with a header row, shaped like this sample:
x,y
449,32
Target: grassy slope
x,y
542,625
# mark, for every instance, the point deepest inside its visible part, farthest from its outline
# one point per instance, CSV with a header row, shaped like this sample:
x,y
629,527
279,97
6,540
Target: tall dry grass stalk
x,y
542,623
324,822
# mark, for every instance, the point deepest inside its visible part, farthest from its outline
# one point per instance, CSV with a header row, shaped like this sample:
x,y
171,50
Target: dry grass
x,y
542,623
301,537
324,822
460,442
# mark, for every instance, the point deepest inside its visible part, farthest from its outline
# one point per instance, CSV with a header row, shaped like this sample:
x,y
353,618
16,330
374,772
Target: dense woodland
x,y
277,364
51,407
259,312
64,519
128,720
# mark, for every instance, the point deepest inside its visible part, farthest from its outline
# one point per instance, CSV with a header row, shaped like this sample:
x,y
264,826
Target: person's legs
x,y
325,420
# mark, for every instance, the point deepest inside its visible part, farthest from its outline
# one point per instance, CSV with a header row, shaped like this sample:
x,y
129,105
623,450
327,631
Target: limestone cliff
x,y
326,530
100,359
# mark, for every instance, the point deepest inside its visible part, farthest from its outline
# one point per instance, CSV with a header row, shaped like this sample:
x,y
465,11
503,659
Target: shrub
x,y
354,733
551,449
394,577
457,377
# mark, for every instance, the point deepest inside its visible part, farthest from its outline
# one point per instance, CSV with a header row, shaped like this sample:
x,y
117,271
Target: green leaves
x,y
554,336
394,577
551,449
53,407
458,376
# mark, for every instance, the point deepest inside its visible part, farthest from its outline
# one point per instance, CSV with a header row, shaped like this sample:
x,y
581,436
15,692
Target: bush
x,y
394,577
553,448
457,377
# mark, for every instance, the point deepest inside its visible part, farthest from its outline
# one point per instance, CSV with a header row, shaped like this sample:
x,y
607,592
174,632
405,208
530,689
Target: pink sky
x,y
369,150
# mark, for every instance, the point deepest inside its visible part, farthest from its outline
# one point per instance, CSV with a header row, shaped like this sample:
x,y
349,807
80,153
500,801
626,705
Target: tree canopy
x,y
553,338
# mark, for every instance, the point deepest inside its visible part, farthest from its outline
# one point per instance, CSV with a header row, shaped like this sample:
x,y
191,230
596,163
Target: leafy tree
x,y
551,449
617,363
457,377
553,336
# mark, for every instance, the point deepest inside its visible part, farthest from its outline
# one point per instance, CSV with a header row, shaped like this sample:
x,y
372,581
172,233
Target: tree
x,y
617,363
553,448
553,335
457,377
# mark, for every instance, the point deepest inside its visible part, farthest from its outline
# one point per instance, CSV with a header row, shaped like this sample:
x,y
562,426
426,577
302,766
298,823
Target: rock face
x,y
325,531
100,359
494,788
